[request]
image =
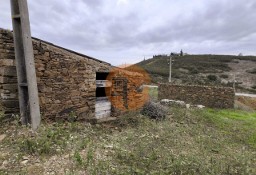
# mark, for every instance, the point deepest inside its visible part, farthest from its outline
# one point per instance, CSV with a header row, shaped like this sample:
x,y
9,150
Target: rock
x,y
223,81
5,162
24,162
25,158
179,103
200,106
7,62
2,137
173,102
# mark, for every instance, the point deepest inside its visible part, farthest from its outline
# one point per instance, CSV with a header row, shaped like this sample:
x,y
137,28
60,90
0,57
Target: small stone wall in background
x,y
212,97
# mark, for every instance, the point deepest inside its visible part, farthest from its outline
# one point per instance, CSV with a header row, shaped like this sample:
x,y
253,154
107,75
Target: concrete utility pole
x,y
24,56
170,73
234,83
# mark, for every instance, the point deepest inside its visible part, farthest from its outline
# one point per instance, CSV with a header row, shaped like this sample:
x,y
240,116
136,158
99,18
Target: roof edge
x,y
69,50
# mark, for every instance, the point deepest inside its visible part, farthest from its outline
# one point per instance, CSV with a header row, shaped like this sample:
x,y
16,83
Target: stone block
x,y
10,56
7,62
84,109
10,87
8,71
6,80
10,103
9,96
75,93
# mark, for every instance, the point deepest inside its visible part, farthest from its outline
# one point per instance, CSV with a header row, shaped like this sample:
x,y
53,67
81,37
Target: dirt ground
x,y
247,103
239,72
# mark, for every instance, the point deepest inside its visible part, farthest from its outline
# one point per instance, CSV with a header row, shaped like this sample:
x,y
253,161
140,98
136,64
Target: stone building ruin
x,y
68,82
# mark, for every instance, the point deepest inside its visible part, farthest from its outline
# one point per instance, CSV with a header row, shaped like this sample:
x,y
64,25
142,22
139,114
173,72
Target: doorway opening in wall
x,y
103,105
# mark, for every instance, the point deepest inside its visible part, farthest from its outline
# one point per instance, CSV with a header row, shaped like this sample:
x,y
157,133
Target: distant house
x,y
178,54
175,54
159,56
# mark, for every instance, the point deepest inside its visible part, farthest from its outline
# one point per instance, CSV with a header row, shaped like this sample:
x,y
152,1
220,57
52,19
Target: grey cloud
x,y
110,31
219,21
122,31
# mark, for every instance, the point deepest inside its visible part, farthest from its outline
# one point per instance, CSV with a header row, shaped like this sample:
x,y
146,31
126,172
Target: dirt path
x,y
239,68
246,95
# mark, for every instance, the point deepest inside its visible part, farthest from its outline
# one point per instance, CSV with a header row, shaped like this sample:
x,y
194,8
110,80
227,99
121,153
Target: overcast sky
x,y
124,31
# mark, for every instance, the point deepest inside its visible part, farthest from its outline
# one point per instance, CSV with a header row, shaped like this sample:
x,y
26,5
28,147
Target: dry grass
x,y
186,142
248,102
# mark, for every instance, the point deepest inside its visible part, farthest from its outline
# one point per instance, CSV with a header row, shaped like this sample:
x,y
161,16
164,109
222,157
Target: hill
x,y
204,70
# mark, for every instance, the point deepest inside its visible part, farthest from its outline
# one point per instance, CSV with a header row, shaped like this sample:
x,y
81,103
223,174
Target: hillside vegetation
x,y
204,69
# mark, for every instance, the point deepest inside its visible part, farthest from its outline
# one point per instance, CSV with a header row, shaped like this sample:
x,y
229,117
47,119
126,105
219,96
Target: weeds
x,y
78,158
49,141
186,142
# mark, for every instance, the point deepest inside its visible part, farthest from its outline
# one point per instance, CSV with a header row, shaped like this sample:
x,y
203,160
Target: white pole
x,y
234,83
170,73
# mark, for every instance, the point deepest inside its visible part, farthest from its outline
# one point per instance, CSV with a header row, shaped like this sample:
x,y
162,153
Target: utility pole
x,y
170,73
25,65
234,83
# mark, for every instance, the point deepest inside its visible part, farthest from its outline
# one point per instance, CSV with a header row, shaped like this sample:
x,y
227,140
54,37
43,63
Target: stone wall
x,y
66,79
8,77
213,97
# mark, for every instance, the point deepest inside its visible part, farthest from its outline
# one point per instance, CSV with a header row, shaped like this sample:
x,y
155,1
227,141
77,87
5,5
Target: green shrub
x,y
79,160
194,71
212,77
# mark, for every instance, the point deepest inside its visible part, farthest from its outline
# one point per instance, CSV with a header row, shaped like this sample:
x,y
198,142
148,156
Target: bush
x,y
223,76
194,71
252,71
154,110
212,77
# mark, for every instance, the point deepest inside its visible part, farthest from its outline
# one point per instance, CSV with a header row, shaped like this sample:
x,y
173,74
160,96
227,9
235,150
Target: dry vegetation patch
x,y
185,142
247,102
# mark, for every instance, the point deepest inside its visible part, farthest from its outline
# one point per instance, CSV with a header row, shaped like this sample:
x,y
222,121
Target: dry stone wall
x,y
213,97
8,77
66,80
